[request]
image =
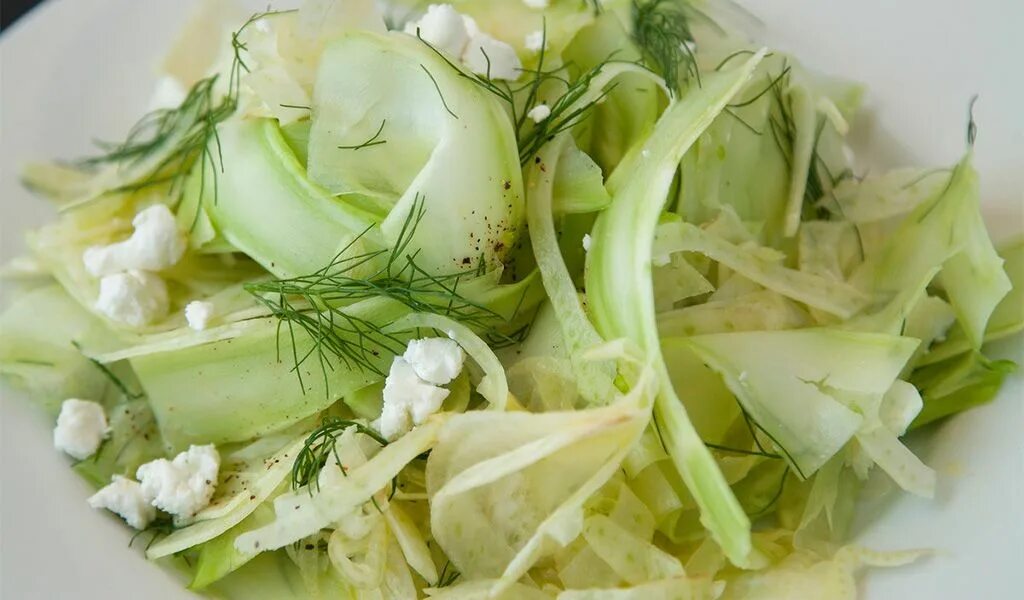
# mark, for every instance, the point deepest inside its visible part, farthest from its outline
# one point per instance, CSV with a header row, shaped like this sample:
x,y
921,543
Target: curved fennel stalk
x,y
621,297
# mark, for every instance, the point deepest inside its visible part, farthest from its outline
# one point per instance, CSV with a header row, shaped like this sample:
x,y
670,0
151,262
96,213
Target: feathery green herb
x,y
372,141
114,379
315,303
449,575
522,96
661,29
181,137
320,446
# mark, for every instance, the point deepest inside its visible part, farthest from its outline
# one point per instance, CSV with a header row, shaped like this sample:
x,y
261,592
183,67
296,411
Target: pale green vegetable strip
x,y
783,380
263,197
619,288
482,589
890,194
634,559
409,538
803,151
945,232
593,379
365,83
901,464
1007,319
360,562
341,497
488,466
974,279
676,588
829,295
494,385
758,311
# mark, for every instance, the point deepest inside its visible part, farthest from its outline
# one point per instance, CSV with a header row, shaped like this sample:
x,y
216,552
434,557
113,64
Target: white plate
x,y
73,70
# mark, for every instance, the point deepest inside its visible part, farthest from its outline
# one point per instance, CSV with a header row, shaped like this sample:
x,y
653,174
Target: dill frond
x,y
315,304
449,575
972,126
661,29
372,141
820,178
161,527
321,446
114,379
177,139
438,88
524,94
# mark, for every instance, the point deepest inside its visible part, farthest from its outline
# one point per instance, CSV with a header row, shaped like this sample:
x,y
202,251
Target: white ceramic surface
x,y
73,70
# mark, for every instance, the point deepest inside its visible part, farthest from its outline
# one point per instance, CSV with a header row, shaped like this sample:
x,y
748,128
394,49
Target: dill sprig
x,y
438,87
661,29
315,304
179,138
372,141
972,126
520,97
730,450
161,527
114,379
321,446
449,575
820,178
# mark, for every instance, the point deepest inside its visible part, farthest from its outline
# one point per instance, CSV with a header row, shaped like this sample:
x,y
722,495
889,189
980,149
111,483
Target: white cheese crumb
x,y
472,29
586,242
435,360
487,56
135,298
408,400
81,427
534,41
167,93
198,314
443,28
743,377
539,113
537,4
124,497
156,244
183,486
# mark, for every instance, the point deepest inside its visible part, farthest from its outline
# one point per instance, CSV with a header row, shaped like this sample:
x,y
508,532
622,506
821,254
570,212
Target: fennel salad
x,y
521,299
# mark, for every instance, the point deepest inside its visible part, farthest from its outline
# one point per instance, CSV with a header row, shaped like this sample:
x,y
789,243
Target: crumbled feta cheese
x,y
446,29
136,298
586,242
442,27
534,41
156,244
81,427
537,4
124,497
493,58
472,29
408,400
168,93
183,486
198,314
539,113
435,360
